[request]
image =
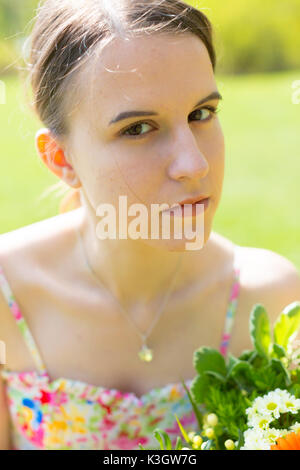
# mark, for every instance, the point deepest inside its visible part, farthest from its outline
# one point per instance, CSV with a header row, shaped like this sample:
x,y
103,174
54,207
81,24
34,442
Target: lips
x,y
193,200
180,210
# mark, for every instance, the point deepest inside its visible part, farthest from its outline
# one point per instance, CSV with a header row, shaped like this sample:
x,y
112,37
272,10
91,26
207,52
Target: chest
x,y
88,339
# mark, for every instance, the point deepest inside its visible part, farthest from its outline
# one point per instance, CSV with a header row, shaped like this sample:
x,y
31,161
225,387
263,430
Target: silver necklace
x,y
145,353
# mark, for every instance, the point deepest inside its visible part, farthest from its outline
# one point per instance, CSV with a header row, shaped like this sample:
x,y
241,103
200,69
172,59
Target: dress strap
x,y
232,307
21,322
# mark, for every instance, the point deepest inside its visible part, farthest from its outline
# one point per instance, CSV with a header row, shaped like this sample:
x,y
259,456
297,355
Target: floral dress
x,y
69,414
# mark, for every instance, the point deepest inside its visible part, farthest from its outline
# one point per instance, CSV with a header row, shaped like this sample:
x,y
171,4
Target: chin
x,y
183,244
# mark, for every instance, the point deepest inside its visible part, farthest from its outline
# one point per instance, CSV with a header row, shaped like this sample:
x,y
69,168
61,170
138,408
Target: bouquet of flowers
x,y
250,402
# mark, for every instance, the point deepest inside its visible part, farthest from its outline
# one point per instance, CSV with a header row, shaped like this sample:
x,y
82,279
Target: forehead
x,y
149,70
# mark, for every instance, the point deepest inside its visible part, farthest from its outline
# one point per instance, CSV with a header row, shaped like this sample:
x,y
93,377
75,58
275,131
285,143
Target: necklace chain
x,y
145,353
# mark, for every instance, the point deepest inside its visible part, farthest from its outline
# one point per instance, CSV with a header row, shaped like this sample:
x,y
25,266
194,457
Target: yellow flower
x,y
174,393
229,444
191,435
212,419
210,433
197,441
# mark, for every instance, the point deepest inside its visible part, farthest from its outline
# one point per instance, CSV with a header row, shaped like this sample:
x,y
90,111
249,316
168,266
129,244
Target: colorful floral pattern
x,y
68,414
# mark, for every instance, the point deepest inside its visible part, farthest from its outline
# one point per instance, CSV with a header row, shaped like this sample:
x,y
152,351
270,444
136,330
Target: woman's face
x,y
172,152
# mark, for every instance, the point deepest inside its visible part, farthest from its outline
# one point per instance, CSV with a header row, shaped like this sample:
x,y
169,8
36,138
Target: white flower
x,y
260,421
255,440
295,427
261,439
257,406
272,434
272,404
263,411
291,405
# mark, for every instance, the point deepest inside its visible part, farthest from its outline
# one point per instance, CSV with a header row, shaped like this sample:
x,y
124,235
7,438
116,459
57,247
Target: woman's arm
x,y
5,443
282,283
266,278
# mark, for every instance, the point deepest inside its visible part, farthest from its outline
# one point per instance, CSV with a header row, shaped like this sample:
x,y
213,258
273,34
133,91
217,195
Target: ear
x,y
55,158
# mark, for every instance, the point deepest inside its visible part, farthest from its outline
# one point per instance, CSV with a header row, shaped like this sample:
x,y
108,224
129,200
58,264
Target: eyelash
x,y
214,110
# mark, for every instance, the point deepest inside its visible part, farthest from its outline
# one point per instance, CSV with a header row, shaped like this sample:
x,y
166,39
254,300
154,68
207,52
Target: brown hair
x,y
66,33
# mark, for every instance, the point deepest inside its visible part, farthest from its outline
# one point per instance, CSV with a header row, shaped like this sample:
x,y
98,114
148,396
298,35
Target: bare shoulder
x,y
269,271
266,278
30,258
32,241
33,255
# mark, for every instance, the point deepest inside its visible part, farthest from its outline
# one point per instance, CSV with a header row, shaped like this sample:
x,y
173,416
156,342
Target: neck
x,y
135,272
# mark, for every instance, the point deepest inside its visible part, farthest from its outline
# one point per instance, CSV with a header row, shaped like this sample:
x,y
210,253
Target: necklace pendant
x,y
146,354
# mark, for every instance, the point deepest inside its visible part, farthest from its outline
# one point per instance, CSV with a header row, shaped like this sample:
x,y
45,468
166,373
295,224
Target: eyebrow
x,y
215,95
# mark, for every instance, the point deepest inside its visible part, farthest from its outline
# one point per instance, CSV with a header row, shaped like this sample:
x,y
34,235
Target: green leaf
x,y
183,432
248,355
231,361
141,447
287,325
157,436
244,368
278,351
178,445
195,408
199,388
241,440
243,374
277,366
208,359
218,376
295,390
161,436
260,330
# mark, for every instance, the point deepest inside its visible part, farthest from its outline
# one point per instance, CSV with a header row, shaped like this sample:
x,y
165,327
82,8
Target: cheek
x,y
121,176
217,141
213,147
212,144
218,158
217,164
219,153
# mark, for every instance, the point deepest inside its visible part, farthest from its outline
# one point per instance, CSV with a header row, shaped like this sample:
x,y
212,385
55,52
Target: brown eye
x,y
133,131
205,113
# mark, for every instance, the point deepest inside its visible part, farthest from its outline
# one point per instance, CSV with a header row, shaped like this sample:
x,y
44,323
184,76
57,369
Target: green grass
x,y
260,202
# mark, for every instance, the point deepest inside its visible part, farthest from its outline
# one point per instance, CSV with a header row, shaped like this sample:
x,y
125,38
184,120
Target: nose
x,y
189,162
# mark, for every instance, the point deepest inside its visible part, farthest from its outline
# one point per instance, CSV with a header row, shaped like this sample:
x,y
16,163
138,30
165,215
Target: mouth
x,y
192,209
193,200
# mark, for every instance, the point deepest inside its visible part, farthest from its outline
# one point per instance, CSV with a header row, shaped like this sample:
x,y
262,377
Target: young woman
x,y
100,332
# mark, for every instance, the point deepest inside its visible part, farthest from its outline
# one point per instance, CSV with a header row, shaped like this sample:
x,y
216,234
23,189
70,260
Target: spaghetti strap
x,y
232,307
21,322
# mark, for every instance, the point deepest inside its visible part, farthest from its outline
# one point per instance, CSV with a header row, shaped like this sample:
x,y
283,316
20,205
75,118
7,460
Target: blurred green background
x,y
258,48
